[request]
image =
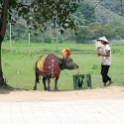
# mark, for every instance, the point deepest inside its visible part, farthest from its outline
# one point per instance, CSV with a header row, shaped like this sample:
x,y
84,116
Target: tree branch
x,y
97,4
3,20
120,3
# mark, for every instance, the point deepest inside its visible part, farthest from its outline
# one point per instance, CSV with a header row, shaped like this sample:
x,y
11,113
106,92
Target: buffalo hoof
x,y
56,89
45,88
48,88
35,88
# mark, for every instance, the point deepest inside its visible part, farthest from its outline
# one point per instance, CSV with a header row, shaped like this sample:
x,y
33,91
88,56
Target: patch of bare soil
x,y
111,92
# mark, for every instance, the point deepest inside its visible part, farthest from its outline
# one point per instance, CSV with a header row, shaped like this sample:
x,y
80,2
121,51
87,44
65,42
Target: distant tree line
x,y
89,29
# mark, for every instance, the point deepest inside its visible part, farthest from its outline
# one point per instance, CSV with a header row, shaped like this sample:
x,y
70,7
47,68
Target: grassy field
x,y
18,64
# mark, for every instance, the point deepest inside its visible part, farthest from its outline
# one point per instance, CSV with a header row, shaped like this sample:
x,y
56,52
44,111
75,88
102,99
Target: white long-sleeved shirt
x,y
106,60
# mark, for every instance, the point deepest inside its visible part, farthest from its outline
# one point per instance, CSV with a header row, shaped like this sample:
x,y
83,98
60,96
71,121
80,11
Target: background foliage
x,y
93,22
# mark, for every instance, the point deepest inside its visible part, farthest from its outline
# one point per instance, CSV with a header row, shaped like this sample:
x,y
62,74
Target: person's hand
x,y
98,54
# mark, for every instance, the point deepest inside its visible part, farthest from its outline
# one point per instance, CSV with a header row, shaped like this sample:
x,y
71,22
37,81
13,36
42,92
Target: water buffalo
x,y
50,66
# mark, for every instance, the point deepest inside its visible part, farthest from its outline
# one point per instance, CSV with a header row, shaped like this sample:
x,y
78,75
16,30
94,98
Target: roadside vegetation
x,y
23,43
18,64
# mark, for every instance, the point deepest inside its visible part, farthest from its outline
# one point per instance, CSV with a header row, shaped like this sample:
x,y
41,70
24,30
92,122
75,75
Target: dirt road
x,y
112,92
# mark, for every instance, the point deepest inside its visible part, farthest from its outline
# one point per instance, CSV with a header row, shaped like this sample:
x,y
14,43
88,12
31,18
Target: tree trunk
x,y
3,22
2,82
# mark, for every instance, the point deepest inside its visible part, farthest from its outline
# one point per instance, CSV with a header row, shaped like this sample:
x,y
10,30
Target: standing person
x,y
106,61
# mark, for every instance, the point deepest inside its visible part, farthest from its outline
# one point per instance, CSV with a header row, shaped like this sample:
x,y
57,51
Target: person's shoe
x,y
104,85
110,82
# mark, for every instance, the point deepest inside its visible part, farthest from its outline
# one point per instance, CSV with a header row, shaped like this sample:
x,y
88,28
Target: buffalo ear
x,y
62,60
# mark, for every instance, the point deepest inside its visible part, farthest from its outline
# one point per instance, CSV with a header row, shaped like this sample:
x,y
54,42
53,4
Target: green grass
x,y
18,64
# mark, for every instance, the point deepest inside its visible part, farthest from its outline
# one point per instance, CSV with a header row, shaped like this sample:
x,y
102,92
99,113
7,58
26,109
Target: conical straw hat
x,y
103,39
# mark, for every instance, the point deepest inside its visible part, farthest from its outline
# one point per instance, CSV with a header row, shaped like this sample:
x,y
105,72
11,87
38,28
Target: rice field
x,y
18,64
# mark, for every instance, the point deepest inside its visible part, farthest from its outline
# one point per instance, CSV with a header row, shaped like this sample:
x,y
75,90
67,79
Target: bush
x,y
84,34
95,66
47,39
104,30
115,50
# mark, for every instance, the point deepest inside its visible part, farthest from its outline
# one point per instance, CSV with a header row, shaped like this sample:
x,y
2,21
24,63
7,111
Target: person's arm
x,y
105,55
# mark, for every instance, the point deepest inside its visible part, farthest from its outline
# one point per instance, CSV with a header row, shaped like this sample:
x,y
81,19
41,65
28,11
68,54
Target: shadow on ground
x,y
7,89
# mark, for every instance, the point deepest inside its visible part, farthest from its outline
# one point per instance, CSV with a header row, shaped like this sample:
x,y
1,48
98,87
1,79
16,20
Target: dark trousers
x,y
104,73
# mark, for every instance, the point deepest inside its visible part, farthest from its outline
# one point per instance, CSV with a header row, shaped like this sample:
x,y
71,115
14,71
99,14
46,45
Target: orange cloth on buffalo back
x,y
48,65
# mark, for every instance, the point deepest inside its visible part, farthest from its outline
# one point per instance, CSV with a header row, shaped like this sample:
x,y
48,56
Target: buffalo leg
x,y
36,80
44,83
56,82
48,84
35,86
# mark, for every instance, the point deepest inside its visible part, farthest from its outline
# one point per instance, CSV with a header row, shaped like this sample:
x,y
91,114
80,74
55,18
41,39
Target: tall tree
x,y
3,22
36,13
